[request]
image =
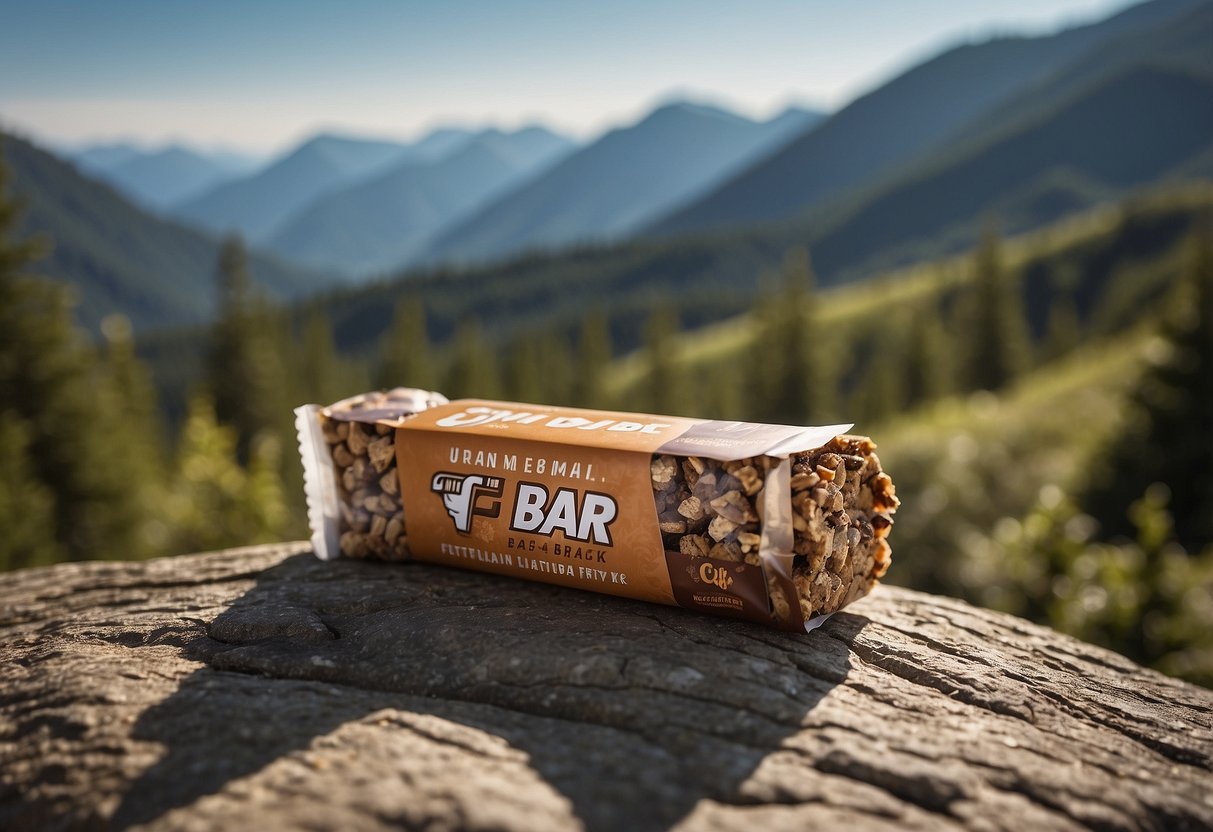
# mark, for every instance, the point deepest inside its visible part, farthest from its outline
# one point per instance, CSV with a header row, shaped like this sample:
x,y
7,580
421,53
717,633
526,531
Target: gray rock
x,y
262,688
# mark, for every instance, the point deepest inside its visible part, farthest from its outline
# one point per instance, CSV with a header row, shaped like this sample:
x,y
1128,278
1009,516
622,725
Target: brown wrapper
x,y
771,523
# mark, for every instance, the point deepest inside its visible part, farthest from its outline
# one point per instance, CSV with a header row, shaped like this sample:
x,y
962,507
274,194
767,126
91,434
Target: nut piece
x,y
364,455
691,508
750,479
735,507
382,451
357,440
721,527
663,469
693,545
840,501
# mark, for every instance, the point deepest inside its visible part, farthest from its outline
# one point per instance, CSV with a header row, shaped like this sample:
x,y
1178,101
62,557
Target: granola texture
x,y
842,504
364,457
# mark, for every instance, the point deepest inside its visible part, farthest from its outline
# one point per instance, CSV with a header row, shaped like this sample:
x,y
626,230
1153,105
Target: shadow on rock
x,y
633,712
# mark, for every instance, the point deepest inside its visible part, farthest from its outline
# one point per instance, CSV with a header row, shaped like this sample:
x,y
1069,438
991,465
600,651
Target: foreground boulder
x,y
262,688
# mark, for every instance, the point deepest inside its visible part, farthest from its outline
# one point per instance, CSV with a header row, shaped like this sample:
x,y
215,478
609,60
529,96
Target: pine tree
x,y
1169,441
802,391
133,423
407,360
764,367
665,389
522,374
472,371
881,390
54,410
27,506
999,345
593,357
320,372
556,369
214,501
1064,331
927,357
248,377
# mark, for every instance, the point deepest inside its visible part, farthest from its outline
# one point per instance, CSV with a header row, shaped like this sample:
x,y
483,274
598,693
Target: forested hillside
x,y
118,258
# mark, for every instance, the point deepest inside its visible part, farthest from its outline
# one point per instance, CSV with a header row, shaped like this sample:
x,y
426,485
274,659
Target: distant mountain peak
x,y
892,124
692,109
379,222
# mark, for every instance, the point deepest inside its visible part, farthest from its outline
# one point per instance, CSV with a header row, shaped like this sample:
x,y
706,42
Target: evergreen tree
x,y
472,371
522,375
133,423
320,373
998,343
27,506
1169,439
763,370
593,357
723,400
407,360
214,501
799,390
1065,331
556,369
55,413
248,377
131,383
927,357
665,389
881,391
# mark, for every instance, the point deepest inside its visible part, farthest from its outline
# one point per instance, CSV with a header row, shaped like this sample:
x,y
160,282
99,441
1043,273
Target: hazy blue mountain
x,y
164,177
439,142
382,222
255,205
232,163
121,258
95,158
794,121
158,177
1142,126
619,182
1181,42
896,122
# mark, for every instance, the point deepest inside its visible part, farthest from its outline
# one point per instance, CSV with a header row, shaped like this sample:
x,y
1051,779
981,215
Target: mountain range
x,y
1133,111
383,221
159,178
618,183
118,257
903,118
1129,112
255,205
1016,130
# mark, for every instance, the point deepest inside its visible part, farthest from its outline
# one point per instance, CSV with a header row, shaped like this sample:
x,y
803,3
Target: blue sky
x,y
259,75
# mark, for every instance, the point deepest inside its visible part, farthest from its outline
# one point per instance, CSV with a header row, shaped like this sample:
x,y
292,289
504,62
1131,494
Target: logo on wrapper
x,y
718,577
461,496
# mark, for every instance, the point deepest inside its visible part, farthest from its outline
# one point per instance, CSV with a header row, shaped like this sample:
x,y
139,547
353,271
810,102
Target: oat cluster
x,y
842,504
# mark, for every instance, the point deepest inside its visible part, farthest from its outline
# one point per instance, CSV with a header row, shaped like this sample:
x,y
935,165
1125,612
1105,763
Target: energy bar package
x,y
775,524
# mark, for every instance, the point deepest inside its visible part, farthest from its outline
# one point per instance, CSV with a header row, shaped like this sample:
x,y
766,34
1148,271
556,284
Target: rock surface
x,y
263,688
